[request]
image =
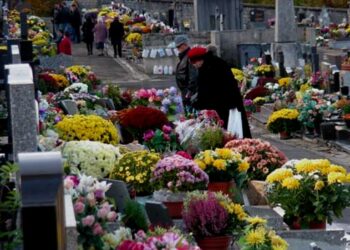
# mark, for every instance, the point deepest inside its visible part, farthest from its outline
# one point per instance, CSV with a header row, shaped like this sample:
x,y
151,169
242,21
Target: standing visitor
x,y
58,39
185,74
64,17
116,34
100,35
65,46
56,20
75,22
217,88
88,34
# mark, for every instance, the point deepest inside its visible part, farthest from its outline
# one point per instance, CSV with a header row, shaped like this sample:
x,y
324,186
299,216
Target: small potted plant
x,y
258,102
249,107
173,177
311,192
213,219
224,167
256,236
263,158
284,122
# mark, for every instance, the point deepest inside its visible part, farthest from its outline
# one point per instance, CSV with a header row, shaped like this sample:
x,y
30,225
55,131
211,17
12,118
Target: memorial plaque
x,y
158,214
257,15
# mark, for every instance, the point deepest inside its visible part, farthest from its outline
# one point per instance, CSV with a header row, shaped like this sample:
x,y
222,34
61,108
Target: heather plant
x,y
212,214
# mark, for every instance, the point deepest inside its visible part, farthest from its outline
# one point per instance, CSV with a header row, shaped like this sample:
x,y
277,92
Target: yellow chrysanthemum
x,y
243,166
238,210
288,114
335,177
224,153
304,87
348,178
256,220
305,166
200,164
284,82
279,175
220,164
291,183
319,185
337,168
256,237
238,74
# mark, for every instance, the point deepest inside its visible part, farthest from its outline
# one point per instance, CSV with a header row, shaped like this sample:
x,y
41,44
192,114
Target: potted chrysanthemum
x,y
172,178
213,219
284,122
311,192
223,167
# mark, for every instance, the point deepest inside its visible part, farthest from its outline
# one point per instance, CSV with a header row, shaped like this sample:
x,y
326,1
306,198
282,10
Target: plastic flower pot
x,y
284,135
214,242
174,209
317,224
224,187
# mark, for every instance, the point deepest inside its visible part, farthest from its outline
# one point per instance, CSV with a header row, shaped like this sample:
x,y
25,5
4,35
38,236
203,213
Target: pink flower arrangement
x,y
92,210
177,173
162,140
165,240
210,117
261,155
145,97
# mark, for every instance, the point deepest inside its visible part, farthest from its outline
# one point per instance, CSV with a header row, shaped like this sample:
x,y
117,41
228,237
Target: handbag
x,y
235,126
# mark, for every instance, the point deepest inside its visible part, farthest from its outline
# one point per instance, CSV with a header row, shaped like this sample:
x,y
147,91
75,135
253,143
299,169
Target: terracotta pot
x,y
284,135
256,192
224,187
174,209
317,225
214,242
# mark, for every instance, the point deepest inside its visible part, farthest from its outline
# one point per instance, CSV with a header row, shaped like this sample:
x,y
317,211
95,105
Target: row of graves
x,y
89,166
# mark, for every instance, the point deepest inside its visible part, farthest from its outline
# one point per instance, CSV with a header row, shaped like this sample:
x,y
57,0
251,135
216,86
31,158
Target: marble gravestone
x,y
22,111
286,34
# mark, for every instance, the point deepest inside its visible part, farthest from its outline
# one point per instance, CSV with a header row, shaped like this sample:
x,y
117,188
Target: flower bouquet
x,y
284,120
212,218
164,140
256,236
135,168
90,127
285,82
92,210
49,82
249,106
92,158
311,192
264,69
259,101
223,165
172,177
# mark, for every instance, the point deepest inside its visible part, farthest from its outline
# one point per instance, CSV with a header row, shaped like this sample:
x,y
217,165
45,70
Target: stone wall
x,y
157,40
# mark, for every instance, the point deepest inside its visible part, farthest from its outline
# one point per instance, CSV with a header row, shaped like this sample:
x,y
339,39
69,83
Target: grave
x,y
246,51
257,19
55,62
119,193
69,107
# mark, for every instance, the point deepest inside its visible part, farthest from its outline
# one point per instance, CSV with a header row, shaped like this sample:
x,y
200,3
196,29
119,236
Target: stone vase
x,y
256,192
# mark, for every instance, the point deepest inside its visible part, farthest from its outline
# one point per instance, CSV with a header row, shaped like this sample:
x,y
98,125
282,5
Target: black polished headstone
x,y
42,197
119,192
24,25
158,214
26,51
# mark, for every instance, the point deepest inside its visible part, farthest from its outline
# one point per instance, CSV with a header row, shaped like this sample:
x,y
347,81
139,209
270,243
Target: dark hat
x,y
180,39
196,53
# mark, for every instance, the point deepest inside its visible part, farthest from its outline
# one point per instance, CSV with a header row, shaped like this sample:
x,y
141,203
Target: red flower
x,y
131,245
184,155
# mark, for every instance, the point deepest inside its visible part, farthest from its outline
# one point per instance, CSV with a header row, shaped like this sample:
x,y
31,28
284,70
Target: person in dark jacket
x,y
185,73
88,34
75,22
217,87
116,34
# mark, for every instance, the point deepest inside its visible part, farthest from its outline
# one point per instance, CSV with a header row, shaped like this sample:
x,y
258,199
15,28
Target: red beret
x,y
196,53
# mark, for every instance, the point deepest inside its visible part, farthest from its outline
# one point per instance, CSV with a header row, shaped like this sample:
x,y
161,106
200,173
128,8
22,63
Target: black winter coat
x,y
218,90
88,34
116,32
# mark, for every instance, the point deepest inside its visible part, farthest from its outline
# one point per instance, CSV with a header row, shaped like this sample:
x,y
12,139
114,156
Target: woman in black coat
x,y
217,87
88,34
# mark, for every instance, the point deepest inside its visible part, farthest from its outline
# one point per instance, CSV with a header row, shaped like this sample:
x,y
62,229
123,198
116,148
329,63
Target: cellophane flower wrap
x,y
177,173
162,140
257,236
159,239
311,190
223,164
136,168
87,127
283,120
92,210
263,158
212,214
92,158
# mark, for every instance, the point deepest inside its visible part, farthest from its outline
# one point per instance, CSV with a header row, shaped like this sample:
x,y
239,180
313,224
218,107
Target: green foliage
x,y
134,217
113,92
211,138
9,203
346,109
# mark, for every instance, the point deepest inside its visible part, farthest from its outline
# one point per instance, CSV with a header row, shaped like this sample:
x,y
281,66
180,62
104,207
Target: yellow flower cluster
x,y
79,70
256,220
264,68
284,82
279,175
304,87
61,80
90,127
277,242
290,114
134,38
234,208
256,237
220,159
238,74
259,100
136,168
290,183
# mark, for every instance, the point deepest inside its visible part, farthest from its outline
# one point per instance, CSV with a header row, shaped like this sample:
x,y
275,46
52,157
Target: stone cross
x,y
285,27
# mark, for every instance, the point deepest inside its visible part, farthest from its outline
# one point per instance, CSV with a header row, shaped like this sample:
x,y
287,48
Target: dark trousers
x,y
119,44
89,46
77,33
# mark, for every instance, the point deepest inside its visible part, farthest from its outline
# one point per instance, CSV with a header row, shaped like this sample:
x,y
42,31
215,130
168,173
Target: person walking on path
x,y
88,34
116,34
75,22
65,46
217,87
185,73
100,35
